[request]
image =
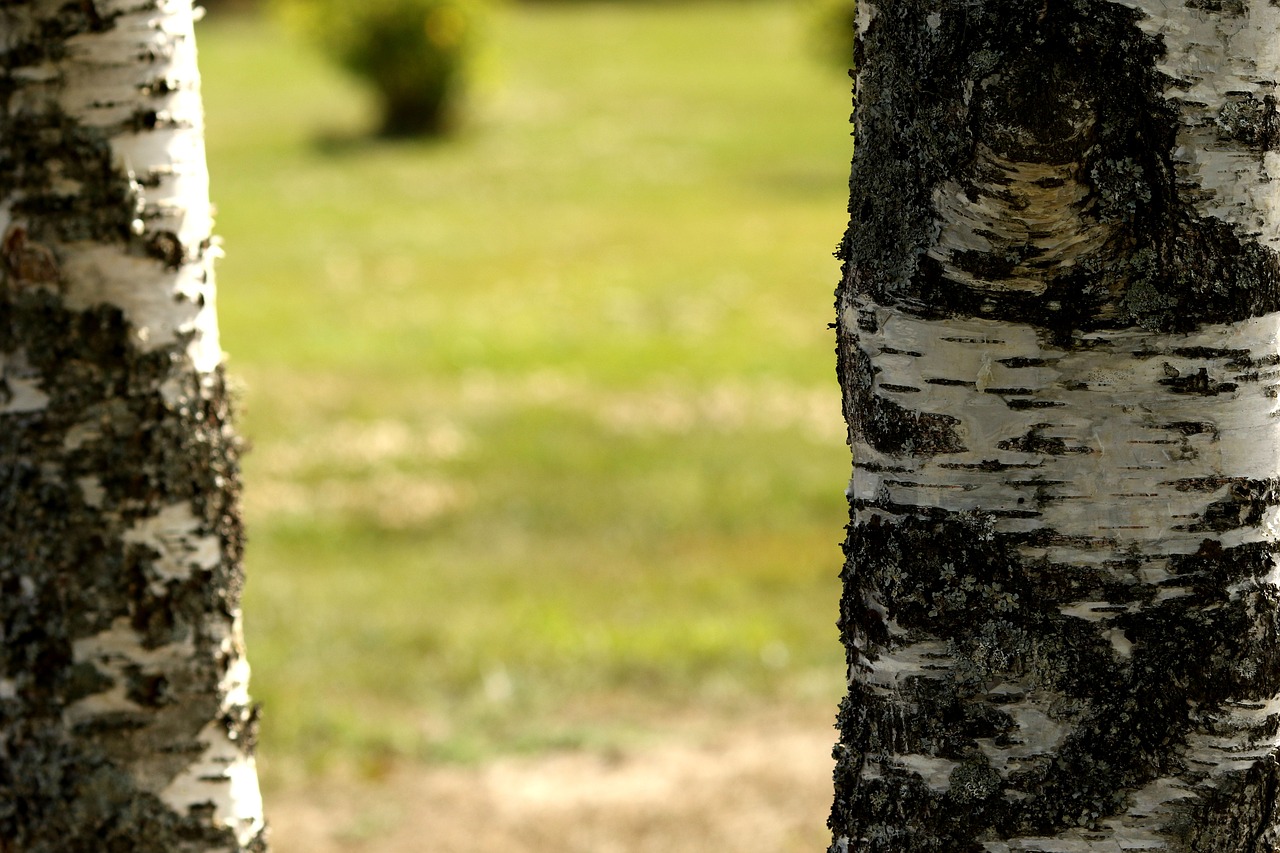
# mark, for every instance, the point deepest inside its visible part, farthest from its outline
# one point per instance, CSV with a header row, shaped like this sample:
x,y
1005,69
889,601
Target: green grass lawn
x,y
546,433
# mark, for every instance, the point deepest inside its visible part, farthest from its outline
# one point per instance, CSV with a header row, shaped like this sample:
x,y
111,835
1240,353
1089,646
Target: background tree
x,y
124,718
1057,344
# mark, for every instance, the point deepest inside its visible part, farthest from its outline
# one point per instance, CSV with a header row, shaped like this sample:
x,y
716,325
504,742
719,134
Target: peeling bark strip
x,y
125,722
1059,343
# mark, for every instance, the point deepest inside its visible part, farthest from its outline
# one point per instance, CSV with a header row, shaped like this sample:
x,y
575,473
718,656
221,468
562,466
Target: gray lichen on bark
x,y
1057,339
124,724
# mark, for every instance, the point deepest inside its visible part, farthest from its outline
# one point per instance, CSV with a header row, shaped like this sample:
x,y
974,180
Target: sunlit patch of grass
x,y
460,660
547,438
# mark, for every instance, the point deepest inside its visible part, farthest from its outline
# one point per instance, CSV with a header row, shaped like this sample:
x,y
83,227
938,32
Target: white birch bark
x,y
1060,348
125,721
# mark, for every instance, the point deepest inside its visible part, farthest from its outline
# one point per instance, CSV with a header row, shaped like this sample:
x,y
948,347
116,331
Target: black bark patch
x,y
84,679
942,78
85,802
1198,383
1035,441
1206,484
1233,357
101,210
890,427
165,247
1190,428
1226,8
950,580
1247,802
150,690
1243,506
242,724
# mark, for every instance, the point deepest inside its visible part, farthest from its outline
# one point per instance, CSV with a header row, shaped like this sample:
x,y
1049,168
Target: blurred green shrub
x,y
415,53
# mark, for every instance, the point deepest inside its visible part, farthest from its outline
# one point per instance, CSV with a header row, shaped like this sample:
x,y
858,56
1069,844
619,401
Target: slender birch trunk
x,y
1058,348
124,718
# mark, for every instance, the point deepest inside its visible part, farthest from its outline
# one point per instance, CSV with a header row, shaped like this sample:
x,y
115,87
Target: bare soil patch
x,y
762,786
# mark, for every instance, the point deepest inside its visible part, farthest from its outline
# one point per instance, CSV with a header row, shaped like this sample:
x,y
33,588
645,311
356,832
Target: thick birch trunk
x,y
124,718
1058,342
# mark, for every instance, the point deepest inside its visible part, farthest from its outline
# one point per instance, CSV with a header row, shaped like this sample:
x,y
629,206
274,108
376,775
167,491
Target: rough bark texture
x,y
125,724
1057,339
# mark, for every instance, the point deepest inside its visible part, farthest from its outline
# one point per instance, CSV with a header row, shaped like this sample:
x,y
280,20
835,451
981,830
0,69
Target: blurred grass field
x,y
547,441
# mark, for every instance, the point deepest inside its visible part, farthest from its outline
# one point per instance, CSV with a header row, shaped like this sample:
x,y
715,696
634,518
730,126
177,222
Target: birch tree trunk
x,y
1058,348
124,718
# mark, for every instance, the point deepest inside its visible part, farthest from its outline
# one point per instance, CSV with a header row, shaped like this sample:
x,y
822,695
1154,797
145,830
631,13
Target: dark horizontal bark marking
x,y
1021,361
881,469
900,509
1190,428
900,389
890,507
1235,357
960,487
1198,383
1256,376
1244,505
1206,484
961,383
1018,404
112,724
896,351
1046,537
1034,441
990,465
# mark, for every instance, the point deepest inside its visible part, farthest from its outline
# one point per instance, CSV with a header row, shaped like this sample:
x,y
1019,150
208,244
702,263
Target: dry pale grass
x,y
763,787
723,407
